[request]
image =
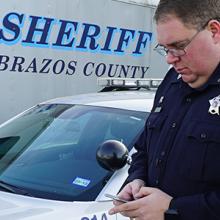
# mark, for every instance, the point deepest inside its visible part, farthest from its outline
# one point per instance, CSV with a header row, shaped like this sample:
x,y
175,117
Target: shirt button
x,y
188,100
203,135
173,125
158,162
163,153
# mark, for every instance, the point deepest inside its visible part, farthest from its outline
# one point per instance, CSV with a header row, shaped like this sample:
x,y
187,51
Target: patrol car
x,y
48,153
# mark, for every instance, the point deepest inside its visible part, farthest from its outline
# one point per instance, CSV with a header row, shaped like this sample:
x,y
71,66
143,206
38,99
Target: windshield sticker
x,y
81,182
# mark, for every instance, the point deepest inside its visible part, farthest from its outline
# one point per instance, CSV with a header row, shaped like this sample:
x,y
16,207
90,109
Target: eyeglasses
x,y
177,52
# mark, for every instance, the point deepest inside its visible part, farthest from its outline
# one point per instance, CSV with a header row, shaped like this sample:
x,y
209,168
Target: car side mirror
x,y
112,155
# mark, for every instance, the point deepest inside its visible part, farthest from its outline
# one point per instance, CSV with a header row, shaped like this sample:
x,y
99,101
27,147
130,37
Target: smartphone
x,y
116,198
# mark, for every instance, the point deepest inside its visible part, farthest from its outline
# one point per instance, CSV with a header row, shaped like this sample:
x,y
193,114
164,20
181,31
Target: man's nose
x,y
171,59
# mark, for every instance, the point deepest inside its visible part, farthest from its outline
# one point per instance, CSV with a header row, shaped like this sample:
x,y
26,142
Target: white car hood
x,y
16,207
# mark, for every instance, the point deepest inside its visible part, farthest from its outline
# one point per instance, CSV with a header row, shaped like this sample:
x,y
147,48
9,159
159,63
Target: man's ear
x,y
214,27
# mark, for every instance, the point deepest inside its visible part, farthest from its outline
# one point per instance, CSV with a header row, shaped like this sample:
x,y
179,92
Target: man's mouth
x,y
181,70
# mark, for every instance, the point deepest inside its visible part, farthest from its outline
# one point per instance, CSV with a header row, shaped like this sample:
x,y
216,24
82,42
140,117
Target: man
x,y
177,165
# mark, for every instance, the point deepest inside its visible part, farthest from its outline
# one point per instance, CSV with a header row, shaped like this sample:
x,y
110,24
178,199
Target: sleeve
x,y
138,169
201,206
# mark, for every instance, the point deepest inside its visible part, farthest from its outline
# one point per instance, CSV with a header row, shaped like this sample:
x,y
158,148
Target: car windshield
x,y
50,150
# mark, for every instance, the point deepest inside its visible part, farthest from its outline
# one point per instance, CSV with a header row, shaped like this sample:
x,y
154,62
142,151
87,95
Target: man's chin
x,y
186,78
193,83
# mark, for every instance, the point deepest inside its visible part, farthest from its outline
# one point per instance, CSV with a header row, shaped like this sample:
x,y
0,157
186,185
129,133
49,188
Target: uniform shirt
x,y
179,151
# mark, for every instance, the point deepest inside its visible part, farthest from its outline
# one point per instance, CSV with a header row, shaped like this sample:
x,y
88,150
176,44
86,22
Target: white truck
x,y
51,48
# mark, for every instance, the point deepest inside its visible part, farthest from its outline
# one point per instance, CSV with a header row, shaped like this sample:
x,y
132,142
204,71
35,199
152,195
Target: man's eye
x,y
181,46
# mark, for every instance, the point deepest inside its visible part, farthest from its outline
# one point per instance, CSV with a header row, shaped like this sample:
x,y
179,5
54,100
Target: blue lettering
x,y
110,70
90,33
18,61
124,71
109,39
104,217
3,61
142,41
67,36
62,66
125,37
33,66
43,32
135,68
66,33
144,70
46,63
71,67
10,27
85,69
94,218
100,69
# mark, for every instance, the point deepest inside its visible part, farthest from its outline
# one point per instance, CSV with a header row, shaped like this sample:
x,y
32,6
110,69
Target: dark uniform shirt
x,y
179,151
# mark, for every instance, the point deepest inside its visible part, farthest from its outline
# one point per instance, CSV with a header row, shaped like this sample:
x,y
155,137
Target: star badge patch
x,y
214,105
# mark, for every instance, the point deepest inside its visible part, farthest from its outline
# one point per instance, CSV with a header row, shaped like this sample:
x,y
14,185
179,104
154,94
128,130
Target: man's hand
x,y
130,190
151,205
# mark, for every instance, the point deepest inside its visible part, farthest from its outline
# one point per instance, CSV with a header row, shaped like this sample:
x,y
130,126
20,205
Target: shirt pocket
x,y
202,151
154,126
156,121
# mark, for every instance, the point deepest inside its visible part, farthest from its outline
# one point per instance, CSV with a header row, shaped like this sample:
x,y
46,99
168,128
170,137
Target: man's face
x,y
201,50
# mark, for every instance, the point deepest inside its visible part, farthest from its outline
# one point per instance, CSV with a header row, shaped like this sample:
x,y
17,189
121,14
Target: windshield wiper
x,y
13,189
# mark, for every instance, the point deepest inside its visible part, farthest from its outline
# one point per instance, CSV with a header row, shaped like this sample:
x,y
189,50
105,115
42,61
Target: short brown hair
x,y
194,13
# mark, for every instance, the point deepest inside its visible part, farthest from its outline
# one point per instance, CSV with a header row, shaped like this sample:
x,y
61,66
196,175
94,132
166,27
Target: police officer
x,y
176,169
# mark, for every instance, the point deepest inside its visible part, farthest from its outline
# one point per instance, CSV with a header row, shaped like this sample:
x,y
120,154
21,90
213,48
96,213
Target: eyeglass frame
x,y
181,51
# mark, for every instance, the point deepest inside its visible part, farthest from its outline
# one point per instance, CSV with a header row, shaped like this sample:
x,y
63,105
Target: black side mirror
x,y
112,155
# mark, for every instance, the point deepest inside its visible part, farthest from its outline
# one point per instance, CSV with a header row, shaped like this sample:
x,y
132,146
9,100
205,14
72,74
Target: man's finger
x,y
144,191
129,206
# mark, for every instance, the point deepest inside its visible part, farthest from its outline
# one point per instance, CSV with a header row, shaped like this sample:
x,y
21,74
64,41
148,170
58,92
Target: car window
x,y
50,150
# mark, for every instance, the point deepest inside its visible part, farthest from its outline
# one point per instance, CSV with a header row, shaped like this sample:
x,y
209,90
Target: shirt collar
x,y
213,80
